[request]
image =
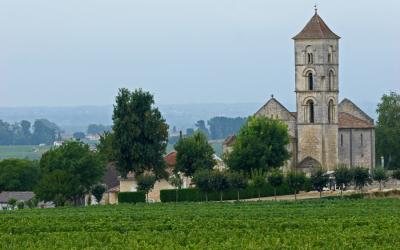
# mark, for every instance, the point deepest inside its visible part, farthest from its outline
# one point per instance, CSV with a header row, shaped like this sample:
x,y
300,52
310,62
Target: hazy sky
x,y
79,52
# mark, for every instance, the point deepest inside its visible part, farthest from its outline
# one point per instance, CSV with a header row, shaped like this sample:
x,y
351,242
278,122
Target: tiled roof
x,y
229,140
316,29
170,159
347,120
19,196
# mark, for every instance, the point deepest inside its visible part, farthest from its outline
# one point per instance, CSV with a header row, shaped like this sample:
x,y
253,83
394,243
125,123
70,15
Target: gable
x,y
275,110
349,107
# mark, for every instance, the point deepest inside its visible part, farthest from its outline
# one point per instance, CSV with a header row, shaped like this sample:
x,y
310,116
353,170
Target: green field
x,y
317,224
31,152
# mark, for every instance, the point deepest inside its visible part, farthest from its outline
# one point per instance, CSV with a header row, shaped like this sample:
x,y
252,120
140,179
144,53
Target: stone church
x,y
324,132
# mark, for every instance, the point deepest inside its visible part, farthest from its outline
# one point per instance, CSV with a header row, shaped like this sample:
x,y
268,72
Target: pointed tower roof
x,y
316,28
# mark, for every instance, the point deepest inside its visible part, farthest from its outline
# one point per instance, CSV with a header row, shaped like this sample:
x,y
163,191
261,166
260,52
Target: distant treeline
x,y
23,133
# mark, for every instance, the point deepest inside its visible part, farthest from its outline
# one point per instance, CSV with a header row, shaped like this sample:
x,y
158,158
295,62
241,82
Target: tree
x,y
105,147
97,129
202,179
176,181
379,175
296,181
260,144
201,127
258,180
238,181
18,175
219,182
98,191
140,134
79,135
343,177
222,127
145,183
276,179
361,177
12,202
396,174
20,205
45,132
192,154
388,130
319,180
68,172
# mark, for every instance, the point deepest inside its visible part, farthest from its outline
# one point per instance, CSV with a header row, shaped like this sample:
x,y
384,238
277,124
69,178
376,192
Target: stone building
x,y
323,132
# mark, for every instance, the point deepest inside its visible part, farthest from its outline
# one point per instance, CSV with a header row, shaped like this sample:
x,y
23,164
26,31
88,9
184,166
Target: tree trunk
x,y
206,197
380,185
320,194
220,196
295,195
259,197
275,193
341,192
238,195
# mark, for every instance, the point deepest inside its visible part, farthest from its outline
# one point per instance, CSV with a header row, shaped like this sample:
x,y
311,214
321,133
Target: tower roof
x,y
316,28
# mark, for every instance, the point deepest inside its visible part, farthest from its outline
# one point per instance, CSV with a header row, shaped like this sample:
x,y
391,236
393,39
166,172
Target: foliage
x,y
140,134
221,127
145,183
79,135
361,177
319,180
12,202
20,205
296,181
201,127
193,153
396,174
202,180
237,181
18,175
105,147
131,197
343,177
98,191
276,179
379,175
219,182
388,130
176,181
68,172
45,132
97,129
258,179
260,144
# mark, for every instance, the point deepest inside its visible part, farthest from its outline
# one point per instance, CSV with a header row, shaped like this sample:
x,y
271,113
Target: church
x,y
323,131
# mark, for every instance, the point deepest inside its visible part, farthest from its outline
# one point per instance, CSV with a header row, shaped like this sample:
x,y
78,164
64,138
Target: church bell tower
x,y
317,93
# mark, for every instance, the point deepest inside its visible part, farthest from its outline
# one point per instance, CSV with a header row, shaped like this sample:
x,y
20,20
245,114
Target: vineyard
x,y
319,224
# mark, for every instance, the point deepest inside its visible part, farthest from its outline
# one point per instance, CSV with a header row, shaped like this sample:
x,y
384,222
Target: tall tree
x,y
388,130
18,175
260,144
68,172
45,132
140,134
193,153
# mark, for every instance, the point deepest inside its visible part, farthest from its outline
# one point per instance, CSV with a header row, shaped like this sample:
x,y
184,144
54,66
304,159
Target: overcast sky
x,y
79,52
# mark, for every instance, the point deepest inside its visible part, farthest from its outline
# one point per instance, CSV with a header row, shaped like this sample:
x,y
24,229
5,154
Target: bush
x,y
131,197
20,205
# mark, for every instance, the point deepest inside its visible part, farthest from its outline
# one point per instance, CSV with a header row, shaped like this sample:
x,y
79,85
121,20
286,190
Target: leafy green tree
x,y
260,144
145,183
45,132
201,127
319,180
192,154
20,205
238,181
343,177
361,177
140,134
258,180
176,181
222,127
388,130
296,181
379,175
12,202
202,179
98,191
18,175
68,172
219,182
105,147
276,179
79,135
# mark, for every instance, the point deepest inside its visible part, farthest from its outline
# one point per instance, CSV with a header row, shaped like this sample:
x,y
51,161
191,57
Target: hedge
x,y
193,194
131,197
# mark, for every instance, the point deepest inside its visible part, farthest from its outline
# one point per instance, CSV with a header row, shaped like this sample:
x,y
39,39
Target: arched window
x,y
310,81
310,107
331,112
331,80
310,58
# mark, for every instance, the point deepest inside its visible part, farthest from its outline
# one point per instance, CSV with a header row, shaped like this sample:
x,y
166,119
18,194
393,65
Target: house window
x,y
310,81
310,58
330,80
330,112
310,105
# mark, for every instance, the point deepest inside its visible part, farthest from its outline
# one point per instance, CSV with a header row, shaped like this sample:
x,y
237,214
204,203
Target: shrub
x,y
202,179
361,177
131,197
380,176
98,191
319,180
396,174
146,183
296,181
219,182
343,177
275,179
237,181
20,205
258,180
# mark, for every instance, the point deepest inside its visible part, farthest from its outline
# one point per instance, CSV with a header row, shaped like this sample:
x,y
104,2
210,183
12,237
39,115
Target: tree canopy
x,y
260,144
388,130
221,127
68,172
18,175
140,134
193,153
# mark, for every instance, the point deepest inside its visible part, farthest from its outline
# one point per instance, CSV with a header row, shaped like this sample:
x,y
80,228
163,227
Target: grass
x,y
313,224
31,152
